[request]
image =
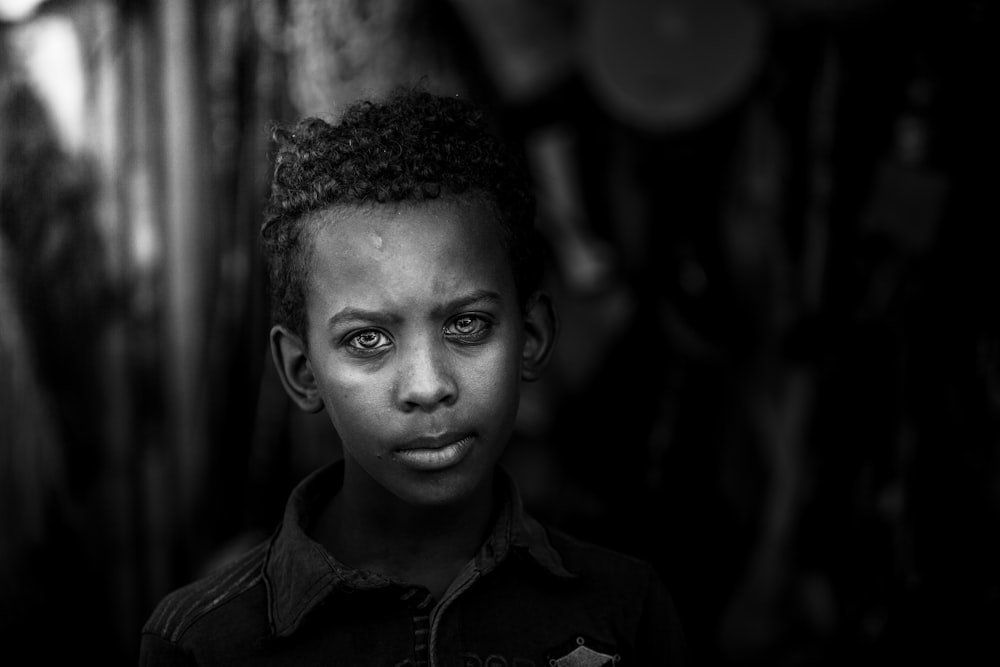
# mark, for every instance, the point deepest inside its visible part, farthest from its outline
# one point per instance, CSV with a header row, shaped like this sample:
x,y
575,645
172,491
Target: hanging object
x,y
909,192
666,65
18,10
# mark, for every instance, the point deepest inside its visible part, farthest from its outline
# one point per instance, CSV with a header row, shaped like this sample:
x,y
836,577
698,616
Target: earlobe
x,y
292,363
541,327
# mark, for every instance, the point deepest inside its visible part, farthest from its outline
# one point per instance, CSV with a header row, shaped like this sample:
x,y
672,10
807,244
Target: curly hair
x,y
411,146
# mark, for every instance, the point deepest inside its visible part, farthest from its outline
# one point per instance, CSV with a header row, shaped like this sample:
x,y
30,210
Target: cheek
x,y
496,378
353,401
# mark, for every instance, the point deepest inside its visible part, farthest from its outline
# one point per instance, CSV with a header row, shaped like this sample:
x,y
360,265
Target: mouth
x,y
434,453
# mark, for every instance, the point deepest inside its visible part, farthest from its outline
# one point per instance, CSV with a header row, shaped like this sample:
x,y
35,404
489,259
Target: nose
x,y
425,380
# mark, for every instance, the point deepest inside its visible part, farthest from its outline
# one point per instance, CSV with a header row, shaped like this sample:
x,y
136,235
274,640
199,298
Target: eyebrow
x,y
352,314
475,297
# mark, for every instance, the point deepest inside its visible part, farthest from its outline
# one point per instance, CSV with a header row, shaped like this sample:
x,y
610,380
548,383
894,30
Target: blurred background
x,y
773,229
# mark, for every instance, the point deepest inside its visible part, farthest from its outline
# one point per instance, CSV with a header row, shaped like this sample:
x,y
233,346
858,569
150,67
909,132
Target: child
x,y
405,279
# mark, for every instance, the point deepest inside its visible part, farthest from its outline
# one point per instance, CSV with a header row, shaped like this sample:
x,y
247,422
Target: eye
x,y
368,340
468,328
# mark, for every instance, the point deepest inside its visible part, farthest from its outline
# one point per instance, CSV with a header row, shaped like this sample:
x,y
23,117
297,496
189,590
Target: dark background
x,y
773,229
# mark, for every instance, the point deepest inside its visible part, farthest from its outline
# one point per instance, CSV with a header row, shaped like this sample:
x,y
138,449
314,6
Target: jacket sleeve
x,y
154,651
660,636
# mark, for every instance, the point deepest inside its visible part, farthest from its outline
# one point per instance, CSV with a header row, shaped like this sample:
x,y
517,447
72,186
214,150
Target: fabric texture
x,y
531,596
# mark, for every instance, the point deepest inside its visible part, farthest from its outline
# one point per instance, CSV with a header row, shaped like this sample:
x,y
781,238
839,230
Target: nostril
x,y
426,383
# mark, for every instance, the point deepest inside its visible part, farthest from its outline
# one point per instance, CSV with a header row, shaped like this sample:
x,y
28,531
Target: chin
x,y
442,489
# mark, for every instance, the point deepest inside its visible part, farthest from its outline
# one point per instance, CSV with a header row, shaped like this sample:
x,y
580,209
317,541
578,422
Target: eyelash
x,y
352,340
481,327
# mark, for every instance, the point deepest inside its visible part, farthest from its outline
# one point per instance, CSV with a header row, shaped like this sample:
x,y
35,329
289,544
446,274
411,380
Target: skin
x,y
416,346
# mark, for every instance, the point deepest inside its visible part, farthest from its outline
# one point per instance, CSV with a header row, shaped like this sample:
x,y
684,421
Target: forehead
x,y
396,252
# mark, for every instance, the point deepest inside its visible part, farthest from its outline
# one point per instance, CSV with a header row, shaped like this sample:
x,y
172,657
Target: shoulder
x,y
627,588
613,577
185,607
593,560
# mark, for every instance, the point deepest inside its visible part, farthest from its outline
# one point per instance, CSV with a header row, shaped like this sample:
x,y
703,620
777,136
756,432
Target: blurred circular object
x,y
669,64
18,10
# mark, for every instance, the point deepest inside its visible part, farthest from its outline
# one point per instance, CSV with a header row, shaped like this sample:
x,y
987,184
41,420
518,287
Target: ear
x,y
294,369
541,327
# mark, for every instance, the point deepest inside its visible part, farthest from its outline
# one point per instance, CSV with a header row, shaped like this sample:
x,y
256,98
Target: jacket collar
x,y
300,573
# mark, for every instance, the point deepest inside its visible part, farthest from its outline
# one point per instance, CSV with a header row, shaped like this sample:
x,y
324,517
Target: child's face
x,y
415,341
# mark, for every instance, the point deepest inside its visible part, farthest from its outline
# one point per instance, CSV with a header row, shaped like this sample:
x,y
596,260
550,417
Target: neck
x,y
417,544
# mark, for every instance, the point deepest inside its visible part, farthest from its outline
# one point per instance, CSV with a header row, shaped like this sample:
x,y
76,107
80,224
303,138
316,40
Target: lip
x,y
438,441
435,452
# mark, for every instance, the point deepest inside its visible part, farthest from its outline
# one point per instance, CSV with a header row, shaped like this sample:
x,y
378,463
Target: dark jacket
x,y
531,596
